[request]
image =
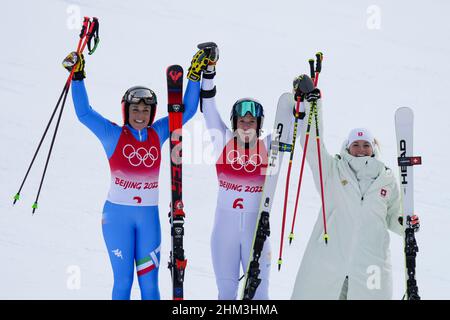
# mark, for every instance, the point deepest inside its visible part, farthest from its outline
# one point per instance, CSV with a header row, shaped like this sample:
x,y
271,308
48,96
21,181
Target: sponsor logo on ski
x,y
275,148
174,75
176,107
178,231
403,169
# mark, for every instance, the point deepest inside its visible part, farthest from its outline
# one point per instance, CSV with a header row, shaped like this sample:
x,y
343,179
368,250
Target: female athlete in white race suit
x,y
241,163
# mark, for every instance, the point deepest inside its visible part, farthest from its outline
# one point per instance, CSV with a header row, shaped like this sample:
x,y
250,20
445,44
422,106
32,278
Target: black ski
x,y
177,263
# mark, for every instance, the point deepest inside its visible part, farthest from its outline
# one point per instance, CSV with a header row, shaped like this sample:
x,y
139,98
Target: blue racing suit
x,y
130,224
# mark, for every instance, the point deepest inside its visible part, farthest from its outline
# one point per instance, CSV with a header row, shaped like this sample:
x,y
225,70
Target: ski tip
x,y
173,67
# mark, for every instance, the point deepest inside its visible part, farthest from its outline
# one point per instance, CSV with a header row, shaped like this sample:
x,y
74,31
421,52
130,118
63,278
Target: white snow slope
x,y
379,55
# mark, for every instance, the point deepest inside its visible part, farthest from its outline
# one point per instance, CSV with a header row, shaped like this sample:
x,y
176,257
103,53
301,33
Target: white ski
x,y
280,142
404,124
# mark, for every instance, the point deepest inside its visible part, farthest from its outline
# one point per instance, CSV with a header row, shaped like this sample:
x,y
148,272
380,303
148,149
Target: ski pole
x,y
286,193
300,179
319,58
305,148
17,196
314,110
85,36
35,204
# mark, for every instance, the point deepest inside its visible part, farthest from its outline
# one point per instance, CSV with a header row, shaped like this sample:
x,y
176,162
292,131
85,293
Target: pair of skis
x,y
177,260
404,123
280,143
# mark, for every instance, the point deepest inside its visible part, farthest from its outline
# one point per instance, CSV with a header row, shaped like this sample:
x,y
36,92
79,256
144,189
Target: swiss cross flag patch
x,y
383,193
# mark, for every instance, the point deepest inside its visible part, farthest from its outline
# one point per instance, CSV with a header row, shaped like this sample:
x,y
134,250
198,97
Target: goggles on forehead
x,y
241,108
141,94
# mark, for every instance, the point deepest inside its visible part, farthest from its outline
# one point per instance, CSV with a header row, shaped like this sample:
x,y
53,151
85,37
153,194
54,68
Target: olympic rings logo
x,y
140,156
244,161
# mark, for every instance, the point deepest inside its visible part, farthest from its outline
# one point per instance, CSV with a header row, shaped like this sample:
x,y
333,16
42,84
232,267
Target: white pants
x,y
231,241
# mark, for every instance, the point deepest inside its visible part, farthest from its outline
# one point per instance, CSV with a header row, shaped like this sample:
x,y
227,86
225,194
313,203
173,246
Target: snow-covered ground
x,y
379,55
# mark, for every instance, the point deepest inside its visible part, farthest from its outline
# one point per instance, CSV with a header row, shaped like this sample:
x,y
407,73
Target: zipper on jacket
x,y
140,136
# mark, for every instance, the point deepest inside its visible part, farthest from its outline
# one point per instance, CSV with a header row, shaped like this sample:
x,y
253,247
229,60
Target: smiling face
x,y
246,128
360,148
139,115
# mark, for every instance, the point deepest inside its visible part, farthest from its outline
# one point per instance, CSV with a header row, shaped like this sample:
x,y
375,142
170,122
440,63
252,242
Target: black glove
x,y
302,85
313,95
74,60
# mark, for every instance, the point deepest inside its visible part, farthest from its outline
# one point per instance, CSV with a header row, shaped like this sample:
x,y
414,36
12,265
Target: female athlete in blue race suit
x,y
131,227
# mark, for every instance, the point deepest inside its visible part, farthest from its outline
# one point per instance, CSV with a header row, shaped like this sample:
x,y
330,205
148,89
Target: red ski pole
x,y
315,77
319,58
85,36
294,138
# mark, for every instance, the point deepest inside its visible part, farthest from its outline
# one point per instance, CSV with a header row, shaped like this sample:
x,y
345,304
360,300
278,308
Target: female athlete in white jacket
x,y
362,203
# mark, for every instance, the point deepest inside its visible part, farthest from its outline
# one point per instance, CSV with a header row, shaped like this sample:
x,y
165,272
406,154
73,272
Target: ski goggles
x,y
242,107
137,95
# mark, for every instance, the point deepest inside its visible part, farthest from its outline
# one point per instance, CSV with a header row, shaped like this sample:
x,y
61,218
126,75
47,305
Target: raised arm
x,y
204,63
107,132
308,132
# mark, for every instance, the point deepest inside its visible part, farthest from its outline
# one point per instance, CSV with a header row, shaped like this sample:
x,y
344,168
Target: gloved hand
x,y
414,222
213,56
302,85
74,60
313,95
205,59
